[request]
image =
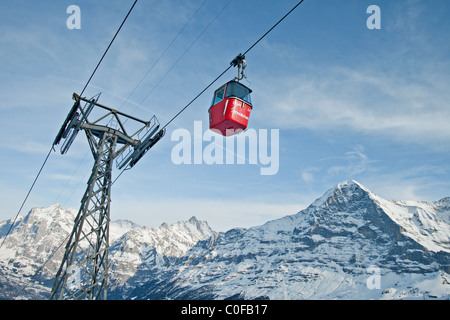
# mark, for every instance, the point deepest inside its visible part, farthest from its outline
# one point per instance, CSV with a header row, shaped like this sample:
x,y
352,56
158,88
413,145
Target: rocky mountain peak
x,y
343,193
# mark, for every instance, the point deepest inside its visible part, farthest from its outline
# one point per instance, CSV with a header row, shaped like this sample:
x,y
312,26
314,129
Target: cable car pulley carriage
x,y
231,105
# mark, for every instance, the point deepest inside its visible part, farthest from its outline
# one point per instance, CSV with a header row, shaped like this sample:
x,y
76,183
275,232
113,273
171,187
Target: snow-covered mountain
x,y
32,240
143,250
44,231
348,244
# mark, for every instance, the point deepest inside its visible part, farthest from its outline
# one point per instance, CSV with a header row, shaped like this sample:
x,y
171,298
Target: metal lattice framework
x,y
83,273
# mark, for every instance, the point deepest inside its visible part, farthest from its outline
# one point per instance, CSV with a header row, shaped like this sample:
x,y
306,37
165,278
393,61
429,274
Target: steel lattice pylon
x,y
83,273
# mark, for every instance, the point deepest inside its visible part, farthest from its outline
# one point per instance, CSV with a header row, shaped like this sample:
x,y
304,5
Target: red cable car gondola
x,y
231,105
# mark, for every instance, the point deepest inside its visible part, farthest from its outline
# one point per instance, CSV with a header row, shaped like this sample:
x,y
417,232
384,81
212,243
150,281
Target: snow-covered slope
x,y
150,248
425,222
43,232
33,239
348,244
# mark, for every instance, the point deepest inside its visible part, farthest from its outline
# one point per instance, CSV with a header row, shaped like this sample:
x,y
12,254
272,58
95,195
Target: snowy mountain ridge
x,y
326,251
425,222
329,250
43,232
153,248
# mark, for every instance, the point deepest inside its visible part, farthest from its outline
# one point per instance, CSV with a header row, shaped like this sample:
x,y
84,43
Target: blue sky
x,y
349,102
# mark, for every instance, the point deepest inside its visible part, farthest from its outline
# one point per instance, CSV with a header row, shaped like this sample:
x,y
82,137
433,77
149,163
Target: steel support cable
x,y
163,53
109,46
192,101
187,50
250,48
273,27
48,155
173,65
28,194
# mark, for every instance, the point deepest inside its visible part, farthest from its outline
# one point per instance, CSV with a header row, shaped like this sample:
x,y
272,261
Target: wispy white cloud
x,y
411,183
26,147
356,163
350,165
372,102
308,175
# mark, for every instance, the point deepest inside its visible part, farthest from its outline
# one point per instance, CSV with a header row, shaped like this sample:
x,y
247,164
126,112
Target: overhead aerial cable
x,y
109,46
187,49
55,141
232,64
163,53
26,197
